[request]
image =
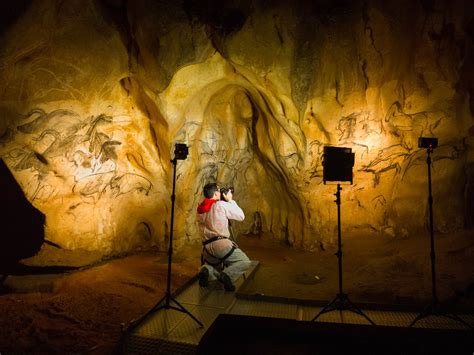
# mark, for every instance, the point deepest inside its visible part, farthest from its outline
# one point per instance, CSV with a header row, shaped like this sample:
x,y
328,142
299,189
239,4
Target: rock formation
x,y
94,95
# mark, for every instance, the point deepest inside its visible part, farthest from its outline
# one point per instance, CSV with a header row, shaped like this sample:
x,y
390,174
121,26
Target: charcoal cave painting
x,y
94,167
66,155
95,94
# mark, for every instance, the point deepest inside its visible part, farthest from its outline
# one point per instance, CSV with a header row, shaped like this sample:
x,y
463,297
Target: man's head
x,y
211,190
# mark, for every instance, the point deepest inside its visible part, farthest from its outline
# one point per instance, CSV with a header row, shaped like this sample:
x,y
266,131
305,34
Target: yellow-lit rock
x,y
95,94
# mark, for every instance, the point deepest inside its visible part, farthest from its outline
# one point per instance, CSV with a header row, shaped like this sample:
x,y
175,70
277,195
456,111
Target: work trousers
x,y
235,265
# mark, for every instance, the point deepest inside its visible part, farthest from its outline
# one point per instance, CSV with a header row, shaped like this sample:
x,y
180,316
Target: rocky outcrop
x,y
96,93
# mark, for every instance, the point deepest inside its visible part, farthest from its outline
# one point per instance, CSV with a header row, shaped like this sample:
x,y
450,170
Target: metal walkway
x,y
168,331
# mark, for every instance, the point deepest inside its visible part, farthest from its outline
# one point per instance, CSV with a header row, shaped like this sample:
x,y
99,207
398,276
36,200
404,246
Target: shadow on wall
x,y
10,12
22,225
468,197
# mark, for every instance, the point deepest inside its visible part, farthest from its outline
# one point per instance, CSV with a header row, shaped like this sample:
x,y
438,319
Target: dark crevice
x,y
277,29
116,13
41,158
20,269
220,18
363,66
11,11
368,29
337,94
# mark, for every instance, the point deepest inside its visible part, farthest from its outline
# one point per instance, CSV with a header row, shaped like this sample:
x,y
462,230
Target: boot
x,y
203,277
227,282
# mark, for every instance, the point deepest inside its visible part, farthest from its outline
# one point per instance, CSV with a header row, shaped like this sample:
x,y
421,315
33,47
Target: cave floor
x,y
175,329
379,272
85,310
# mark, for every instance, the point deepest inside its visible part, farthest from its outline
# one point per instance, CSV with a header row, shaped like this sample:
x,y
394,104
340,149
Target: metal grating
x,y
395,319
143,346
385,318
139,345
264,309
399,319
441,322
189,331
208,297
159,324
346,317
175,348
169,331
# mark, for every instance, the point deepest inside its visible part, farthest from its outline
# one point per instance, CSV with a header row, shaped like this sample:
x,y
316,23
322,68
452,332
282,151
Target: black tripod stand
x,y
341,301
165,302
434,308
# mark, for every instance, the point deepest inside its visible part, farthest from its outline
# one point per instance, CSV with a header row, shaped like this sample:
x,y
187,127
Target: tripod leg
x,y
327,308
458,319
427,311
182,309
164,303
342,303
433,309
353,308
156,307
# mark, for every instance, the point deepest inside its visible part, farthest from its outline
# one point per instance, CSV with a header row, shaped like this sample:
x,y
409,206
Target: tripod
x,y
434,308
165,302
341,301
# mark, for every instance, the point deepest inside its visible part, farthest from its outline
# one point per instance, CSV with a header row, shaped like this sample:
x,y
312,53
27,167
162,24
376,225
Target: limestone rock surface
x,y
94,95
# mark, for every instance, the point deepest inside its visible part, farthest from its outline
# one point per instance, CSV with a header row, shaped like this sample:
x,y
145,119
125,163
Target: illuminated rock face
x,y
96,93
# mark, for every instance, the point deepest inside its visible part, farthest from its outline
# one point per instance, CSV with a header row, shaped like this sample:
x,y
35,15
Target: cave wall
x,y
94,94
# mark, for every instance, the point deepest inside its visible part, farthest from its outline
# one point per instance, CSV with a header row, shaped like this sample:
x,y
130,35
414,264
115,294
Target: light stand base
x,y
164,303
436,309
342,303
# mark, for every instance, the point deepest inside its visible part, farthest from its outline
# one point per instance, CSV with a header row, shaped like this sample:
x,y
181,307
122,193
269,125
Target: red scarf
x,y
206,205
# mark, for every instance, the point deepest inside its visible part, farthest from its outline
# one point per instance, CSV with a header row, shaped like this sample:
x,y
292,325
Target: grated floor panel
x,y
168,331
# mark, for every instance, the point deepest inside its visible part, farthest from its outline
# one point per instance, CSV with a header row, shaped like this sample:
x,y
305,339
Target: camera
x,y
426,142
180,151
225,190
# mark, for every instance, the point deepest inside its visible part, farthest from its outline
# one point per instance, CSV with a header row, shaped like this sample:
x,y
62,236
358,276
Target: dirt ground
x,y
375,269
84,310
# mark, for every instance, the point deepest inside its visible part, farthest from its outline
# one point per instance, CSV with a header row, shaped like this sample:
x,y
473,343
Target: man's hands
x,y
228,196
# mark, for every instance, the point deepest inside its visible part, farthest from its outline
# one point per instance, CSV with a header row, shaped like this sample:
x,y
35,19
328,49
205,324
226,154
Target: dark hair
x,y
209,189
